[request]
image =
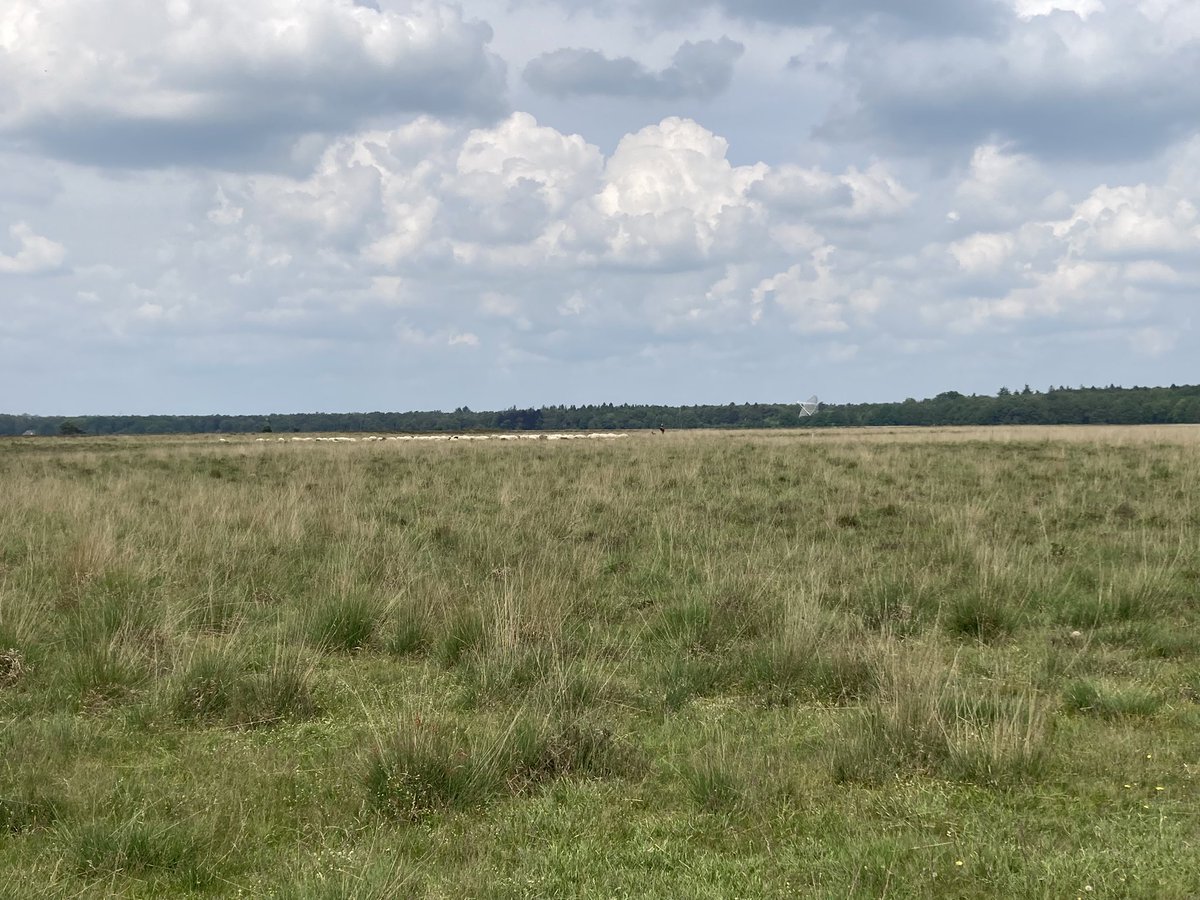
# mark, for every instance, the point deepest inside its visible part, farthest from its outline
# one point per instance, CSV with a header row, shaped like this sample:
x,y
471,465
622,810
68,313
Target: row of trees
x,y
1057,406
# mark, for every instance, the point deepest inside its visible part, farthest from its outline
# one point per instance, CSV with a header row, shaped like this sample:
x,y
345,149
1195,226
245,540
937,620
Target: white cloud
x,y
348,183
816,297
1107,260
145,81
702,70
35,254
670,197
1028,9
1099,85
875,194
1002,187
983,253
862,196
1132,221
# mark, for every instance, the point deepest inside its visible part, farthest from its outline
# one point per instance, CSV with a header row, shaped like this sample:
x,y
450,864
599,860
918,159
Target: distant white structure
x,y
809,407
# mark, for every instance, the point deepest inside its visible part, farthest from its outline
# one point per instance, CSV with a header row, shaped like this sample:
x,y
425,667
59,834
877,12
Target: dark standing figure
x,y
662,429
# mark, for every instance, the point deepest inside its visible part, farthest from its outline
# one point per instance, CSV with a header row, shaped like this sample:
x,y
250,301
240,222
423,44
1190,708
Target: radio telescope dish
x,y
809,407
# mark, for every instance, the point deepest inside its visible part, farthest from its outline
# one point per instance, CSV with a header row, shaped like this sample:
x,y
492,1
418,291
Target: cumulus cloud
x,y
856,195
1117,256
150,82
816,298
510,182
35,254
547,237
1003,187
699,70
670,198
1096,87
938,16
518,194
1132,221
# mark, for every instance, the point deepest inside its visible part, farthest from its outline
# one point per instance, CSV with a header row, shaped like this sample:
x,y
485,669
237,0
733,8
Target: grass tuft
x,y
425,769
12,666
929,722
136,848
1098,699
982,615
344,623
26,808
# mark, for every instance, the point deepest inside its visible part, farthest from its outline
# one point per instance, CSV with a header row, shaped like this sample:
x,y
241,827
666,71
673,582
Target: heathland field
x,y
959,663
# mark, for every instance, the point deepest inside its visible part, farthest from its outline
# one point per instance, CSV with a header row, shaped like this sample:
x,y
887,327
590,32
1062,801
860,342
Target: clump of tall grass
x,y
816,655
711,785
424,769
678,678
23,624
115,640
208,689
101,676
898,606
982,614
220,686
134,847
1135,592
115,607
12,666
511,643
344,623
1108,702
407,630
927,720
221,608
508,675
26,807
691,625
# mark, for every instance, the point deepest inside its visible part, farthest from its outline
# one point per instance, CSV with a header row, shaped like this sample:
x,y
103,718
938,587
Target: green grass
x,y
958,663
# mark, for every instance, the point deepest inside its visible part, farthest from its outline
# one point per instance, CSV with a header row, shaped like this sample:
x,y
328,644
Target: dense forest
x,y
1056,406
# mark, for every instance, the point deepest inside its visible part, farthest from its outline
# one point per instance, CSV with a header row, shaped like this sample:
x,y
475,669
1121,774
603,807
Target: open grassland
x,y
907,664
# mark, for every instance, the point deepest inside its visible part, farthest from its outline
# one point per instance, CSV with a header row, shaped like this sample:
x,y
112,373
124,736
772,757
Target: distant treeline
x,y
1056,406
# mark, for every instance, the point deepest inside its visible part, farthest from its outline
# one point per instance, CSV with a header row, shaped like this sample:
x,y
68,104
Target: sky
x,y
254,206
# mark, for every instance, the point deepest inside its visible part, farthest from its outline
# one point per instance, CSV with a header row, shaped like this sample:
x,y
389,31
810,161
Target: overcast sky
x,y
246,206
